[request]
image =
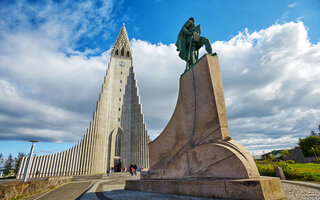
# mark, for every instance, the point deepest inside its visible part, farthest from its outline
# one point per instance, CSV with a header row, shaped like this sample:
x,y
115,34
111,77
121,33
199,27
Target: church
x,y
117,134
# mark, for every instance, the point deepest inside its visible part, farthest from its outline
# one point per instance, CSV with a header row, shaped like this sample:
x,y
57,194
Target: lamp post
x,y
26,171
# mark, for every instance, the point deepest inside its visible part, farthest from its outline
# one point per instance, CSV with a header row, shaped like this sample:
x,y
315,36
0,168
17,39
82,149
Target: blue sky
x,y
53,56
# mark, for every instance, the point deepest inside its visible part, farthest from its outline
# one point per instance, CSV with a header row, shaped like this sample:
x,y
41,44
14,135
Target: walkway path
x,y
69,191
102,187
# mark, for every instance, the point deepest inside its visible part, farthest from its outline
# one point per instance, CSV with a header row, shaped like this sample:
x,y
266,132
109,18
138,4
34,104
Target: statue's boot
x,y
208,48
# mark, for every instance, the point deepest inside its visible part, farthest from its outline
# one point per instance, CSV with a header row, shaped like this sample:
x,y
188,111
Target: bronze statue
x,y
189,42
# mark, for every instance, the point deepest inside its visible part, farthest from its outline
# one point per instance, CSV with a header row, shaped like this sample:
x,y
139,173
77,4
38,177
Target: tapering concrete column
x,y
46,164
74,165
144,147
63,157
90,148
65,162
93,167
84,153
40,168
67,171
86,148
55,164
51,166
20,168
81,158
61,171
59,163
32,166
75,157
77,161
71,161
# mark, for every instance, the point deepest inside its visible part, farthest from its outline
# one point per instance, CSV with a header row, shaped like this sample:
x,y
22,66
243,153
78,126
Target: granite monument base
x,y
257,188
195,155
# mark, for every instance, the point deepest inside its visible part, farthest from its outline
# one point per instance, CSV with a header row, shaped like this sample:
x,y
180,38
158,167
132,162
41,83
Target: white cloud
x,y
43,92
292,5
63,22
270,82
157,69
300,18
277,98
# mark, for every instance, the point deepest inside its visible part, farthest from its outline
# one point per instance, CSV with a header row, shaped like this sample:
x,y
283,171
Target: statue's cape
x,y
183,42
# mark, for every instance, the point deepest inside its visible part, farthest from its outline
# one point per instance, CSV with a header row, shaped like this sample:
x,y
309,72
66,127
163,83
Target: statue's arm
x,y
185,31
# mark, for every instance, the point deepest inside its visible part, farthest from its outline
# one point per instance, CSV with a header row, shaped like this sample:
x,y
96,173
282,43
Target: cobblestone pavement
x,y
102,187
295,192
113,189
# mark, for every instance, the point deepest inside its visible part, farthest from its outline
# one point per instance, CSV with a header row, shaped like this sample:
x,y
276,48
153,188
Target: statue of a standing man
x,y
189,42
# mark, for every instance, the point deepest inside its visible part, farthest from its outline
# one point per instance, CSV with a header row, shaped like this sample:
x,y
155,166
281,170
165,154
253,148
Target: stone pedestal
x,y
195,155
258,188
279,173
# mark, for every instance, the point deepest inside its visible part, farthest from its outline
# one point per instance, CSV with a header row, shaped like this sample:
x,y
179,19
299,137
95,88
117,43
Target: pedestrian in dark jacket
x,y
135,169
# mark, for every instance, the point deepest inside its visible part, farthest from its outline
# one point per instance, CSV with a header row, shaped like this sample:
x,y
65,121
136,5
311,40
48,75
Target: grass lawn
x,y
297,171
306,166
309,169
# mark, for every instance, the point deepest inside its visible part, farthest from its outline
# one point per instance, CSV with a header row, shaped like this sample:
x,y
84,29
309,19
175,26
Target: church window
x,y
117,52
120,89
121,72
120,81
119,99
122,52
128,54
119,109
118,145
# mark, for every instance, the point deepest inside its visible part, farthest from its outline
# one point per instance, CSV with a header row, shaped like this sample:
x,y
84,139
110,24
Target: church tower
x,y
117,134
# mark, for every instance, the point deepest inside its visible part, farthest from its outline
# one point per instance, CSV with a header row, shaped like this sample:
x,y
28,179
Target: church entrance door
x,y
117,165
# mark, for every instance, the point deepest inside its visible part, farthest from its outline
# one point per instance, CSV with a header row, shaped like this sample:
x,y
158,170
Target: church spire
x,y
122,46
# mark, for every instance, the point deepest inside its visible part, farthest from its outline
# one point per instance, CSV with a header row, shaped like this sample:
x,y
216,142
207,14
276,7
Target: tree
x,y
1,159
316,150
284,153
270,157
313,133
8,165
18,161
307,143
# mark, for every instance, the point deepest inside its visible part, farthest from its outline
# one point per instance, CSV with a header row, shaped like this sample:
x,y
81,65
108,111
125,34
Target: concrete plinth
x,y
259,188
194,155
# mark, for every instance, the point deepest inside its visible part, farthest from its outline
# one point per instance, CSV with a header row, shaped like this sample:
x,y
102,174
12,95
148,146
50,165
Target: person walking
x,y
135,169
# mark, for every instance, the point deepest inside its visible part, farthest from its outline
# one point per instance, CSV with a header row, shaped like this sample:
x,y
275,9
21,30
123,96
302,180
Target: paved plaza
x,y
98,187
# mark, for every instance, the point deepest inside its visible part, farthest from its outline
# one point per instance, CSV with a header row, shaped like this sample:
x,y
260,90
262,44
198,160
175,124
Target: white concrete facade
x,y
118,116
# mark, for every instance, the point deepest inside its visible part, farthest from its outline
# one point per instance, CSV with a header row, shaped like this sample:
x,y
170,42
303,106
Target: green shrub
x,y
317,161
290,161
266,170
302,172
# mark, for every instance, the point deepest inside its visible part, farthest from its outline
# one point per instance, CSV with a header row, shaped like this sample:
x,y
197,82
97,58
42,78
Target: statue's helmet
x,y
192,19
